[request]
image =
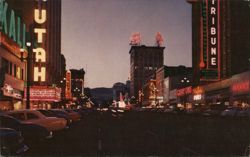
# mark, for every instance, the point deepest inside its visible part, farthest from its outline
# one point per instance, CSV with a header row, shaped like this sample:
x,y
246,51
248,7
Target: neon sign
x,y
11,25
44,93
184,91
198,97
40,53
68,94
198,90
241,87
212,60
210,40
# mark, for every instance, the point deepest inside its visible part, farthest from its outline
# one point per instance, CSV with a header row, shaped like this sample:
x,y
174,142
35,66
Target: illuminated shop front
x,y
240,90
218,92
148,96
12,68
198,97
44,97
184,97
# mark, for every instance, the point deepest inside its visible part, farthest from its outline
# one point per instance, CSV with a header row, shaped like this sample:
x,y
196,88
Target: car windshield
x,y
7,121
46,113
58,112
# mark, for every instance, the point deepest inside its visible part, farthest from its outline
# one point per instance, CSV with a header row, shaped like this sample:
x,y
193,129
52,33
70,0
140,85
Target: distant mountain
x,y
101,95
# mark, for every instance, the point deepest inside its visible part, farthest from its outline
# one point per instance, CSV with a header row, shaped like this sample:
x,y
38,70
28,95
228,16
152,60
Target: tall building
x,y
144,61
51,43
220,38
50,36
171,77
63,76
37,22
12,66
77,83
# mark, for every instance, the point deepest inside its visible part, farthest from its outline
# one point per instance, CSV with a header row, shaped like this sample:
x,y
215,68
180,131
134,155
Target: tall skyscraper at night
x,y
220,38
144,61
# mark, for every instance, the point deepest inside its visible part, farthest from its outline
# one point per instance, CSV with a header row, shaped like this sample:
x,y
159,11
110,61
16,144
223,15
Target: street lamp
x,y
28,58
185,80
184,83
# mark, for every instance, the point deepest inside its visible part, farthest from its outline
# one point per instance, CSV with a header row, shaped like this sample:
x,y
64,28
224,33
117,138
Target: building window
x,y
4,65
15,70
18,72
10,69
22,77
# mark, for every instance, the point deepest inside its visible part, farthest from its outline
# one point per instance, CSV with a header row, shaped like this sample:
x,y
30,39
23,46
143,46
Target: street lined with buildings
x,y
161,109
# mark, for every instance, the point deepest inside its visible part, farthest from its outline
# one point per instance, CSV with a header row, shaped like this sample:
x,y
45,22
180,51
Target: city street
x,y
124,78
148,133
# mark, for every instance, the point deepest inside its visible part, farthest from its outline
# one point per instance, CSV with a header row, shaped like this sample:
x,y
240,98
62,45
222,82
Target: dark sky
x,y
95,35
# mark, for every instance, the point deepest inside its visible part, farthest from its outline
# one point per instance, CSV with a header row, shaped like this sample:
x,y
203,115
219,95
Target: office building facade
x,y
144,61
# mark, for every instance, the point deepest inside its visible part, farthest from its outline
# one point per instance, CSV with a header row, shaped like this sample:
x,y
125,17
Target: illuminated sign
x,y
8,90
68,94
184,91
198,90
135,39
241,87
210,40
40,53
44,93
152,89
11,25
212,23
197,97
198,93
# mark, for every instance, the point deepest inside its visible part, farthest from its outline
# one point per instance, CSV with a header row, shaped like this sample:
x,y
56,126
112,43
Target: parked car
x,y
231,111
12,142
73,115
30,132
244,112
53,113
62,112
36,117
82,112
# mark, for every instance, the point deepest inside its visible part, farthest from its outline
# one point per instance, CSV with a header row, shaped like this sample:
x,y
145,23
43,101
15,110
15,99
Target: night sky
x,y
95,35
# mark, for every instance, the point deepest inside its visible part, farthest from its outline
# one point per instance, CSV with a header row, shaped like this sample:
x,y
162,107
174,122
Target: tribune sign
x,y
213,27
211,41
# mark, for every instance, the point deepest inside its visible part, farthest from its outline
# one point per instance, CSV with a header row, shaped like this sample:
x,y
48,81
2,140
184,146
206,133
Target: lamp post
x,y
185,82
28,58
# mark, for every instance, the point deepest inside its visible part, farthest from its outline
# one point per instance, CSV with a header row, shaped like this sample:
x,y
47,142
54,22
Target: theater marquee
x,y
210,40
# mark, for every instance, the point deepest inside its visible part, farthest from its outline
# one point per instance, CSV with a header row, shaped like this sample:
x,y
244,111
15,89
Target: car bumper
x,y
23,149
50,135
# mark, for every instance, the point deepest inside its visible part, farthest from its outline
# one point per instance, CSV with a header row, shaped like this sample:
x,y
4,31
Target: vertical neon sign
x,y
40,54
212,58
211,40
